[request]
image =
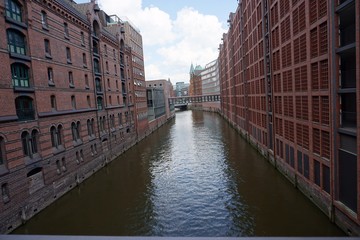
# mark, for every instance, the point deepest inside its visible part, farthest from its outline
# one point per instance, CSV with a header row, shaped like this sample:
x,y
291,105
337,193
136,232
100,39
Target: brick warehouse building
x,y
67,99
289,73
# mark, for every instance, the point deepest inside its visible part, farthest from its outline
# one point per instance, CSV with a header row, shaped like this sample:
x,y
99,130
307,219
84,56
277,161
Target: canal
x,y
193,177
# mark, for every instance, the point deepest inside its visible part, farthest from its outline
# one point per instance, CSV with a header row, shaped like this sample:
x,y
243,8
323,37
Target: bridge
x,y
182,102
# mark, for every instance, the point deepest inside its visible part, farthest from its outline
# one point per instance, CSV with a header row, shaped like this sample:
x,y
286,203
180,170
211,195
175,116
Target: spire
x,y
191,68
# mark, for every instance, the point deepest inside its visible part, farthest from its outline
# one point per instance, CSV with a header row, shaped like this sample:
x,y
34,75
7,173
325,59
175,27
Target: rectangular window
x,y
47,48
53,102
13,10
68,55
317,172
86,81
2,151
73,102
50,75
326,178
84,60
44,20
306,166
71,79
66,30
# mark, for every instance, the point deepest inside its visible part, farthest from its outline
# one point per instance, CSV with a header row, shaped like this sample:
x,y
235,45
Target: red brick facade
x,y
289,78
67,97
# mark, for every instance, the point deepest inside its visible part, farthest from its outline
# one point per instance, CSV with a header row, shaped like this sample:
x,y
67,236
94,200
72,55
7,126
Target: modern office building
x,y
67,95
182,89
158,94
290,84
211,85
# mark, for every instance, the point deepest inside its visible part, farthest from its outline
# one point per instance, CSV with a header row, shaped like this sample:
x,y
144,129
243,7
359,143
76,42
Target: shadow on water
x,y
193,177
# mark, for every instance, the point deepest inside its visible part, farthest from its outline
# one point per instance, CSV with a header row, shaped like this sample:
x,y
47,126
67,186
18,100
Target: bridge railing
x,y
194,99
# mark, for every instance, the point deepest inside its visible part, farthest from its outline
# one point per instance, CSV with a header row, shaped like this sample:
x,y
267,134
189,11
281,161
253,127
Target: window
x,y
118,100
5,192
47,48
84,60
56,139
97,69
95,47
82,38
100,103
44,21
2,151
68,55
114,53
86,81
66,30
29,143
24,108
16,42
89,127
107,67
75,130
71,79
20,75
88,101
110,101
73,102
50,75
13,10
108,83
105,49
115,69
53,102
98,85
117,84
58,167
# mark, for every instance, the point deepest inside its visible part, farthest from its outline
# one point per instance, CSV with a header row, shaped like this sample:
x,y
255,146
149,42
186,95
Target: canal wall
x,y
323,201
19,213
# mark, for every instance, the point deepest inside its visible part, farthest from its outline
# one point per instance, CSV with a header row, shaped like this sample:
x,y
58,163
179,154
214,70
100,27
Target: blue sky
x,y
175,33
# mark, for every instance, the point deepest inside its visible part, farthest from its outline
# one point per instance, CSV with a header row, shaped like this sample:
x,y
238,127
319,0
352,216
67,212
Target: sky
x,y
175,33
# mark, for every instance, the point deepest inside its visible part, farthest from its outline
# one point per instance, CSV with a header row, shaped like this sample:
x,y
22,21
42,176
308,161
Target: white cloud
x,y
171,45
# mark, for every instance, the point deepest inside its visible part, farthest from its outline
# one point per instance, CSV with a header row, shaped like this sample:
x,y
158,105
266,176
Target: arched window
x,y
75,130
13,10
20,75
16,42
24,108
96,29
29,143
88,123
56,133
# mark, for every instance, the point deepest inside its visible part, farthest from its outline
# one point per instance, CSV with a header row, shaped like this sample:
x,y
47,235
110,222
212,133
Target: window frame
x,y
20,75
16,42
15,14
44,19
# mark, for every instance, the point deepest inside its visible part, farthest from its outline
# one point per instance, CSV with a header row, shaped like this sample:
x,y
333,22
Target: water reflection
x,y
193,177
